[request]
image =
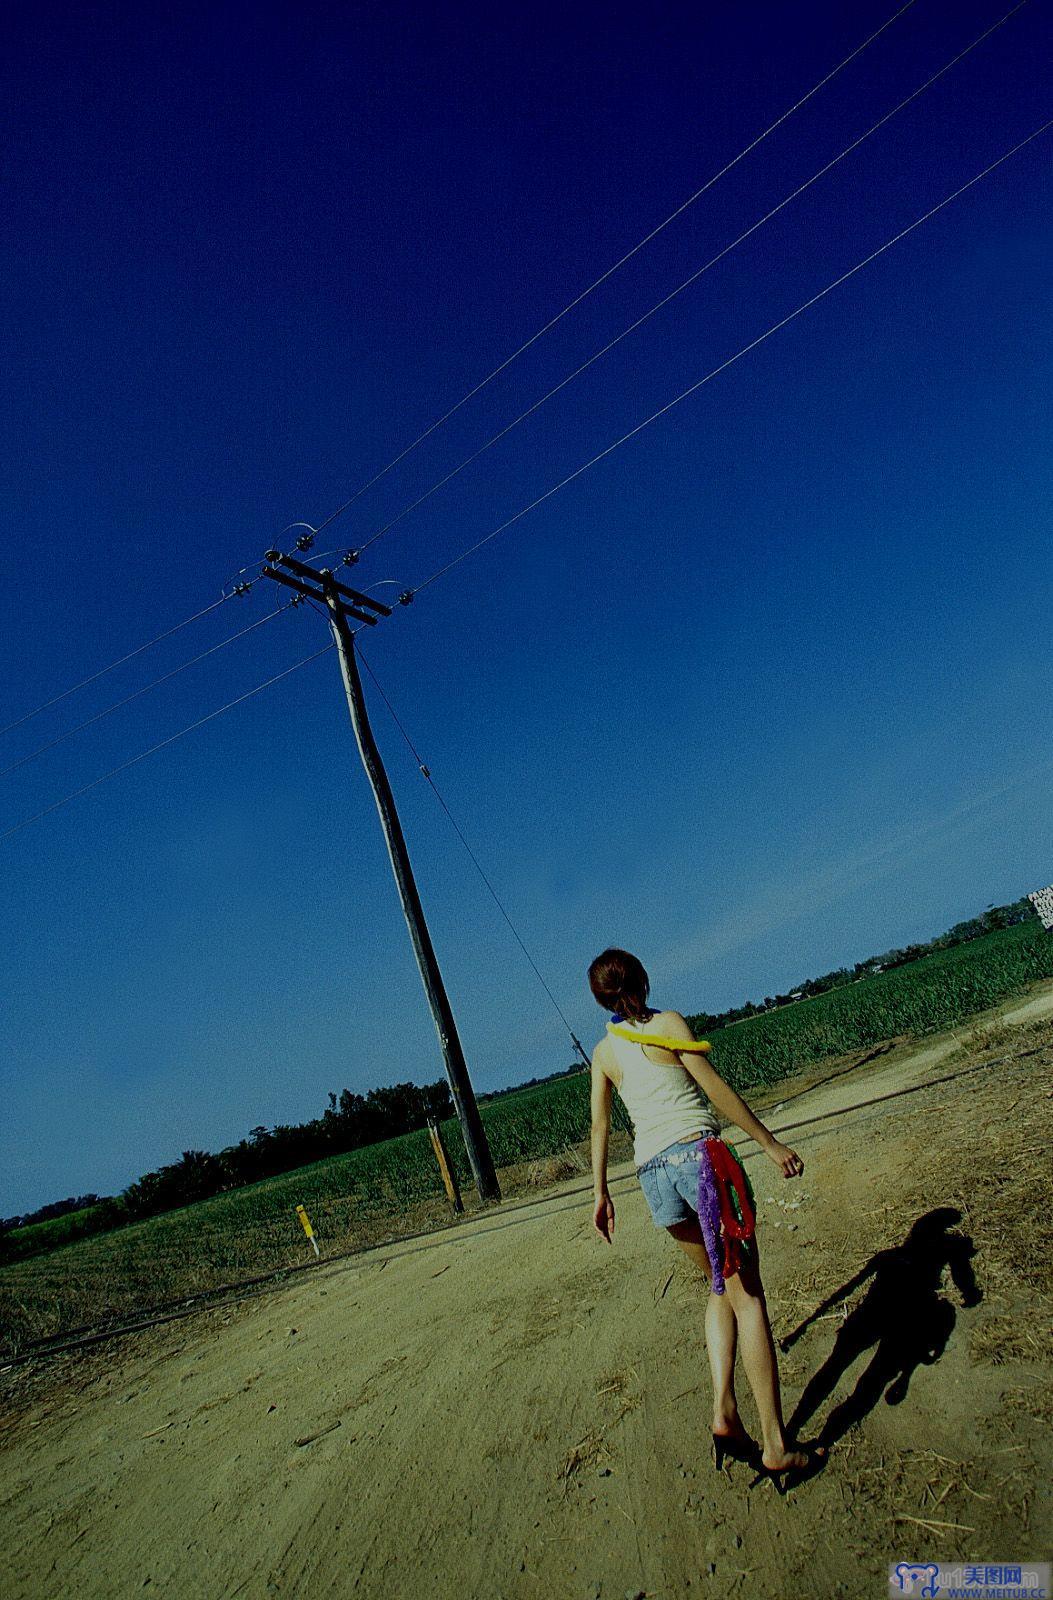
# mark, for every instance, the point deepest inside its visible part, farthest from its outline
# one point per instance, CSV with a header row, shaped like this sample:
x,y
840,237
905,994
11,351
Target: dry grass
x,y
617,1398
989,1160
590,1452
542,1174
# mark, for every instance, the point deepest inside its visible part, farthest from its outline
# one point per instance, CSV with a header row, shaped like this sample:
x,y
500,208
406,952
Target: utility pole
x,y
341,602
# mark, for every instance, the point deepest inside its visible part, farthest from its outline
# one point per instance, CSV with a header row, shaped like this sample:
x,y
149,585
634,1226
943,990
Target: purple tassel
x,y
709,1216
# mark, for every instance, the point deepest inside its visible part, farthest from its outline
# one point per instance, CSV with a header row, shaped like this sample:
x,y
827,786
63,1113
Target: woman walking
x,y
696,1188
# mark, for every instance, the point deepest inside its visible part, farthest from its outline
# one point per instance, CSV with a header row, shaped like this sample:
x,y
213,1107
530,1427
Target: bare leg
x,y
721,1334
746,1293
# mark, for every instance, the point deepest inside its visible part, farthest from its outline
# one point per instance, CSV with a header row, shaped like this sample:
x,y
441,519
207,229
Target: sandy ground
x,y
513,1409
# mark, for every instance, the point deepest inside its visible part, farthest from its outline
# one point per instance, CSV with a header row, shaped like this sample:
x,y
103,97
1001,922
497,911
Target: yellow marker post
x,y
305,1222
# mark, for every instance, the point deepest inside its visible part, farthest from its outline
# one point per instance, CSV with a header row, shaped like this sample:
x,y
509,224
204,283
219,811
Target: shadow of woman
x,y
903,1315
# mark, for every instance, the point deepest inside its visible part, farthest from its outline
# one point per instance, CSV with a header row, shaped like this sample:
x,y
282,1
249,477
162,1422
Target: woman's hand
x,y
603,1217
790,1162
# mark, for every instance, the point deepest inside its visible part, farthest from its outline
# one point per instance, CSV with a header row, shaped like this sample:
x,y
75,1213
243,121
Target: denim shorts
x,y
670,1182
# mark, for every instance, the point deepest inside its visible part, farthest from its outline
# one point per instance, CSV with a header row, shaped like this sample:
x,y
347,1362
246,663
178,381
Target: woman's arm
x,y
724,1098
603,1209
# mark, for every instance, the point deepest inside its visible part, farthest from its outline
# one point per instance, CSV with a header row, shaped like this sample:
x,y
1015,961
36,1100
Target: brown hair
x,y
620,983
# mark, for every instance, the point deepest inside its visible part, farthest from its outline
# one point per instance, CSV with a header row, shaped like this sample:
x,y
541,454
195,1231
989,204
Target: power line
x,y
99,715
314,531
525,510
693,388
610,271
474,858
113,665
163,743
731,360
686,284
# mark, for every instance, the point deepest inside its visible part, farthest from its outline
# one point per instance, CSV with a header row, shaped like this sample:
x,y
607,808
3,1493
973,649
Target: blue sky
x,y
763,692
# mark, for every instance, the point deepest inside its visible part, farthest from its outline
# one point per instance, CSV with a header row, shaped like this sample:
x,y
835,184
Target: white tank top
x,y
664,1101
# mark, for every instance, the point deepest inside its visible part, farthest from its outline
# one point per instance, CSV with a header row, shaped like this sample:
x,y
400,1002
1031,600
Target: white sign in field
x,y
1042,900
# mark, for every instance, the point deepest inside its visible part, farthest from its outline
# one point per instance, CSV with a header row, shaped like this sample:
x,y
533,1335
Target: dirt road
x,y
516,1410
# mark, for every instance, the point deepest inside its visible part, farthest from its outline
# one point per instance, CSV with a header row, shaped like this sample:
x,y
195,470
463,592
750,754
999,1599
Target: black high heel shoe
x,y
736,1447
785,1478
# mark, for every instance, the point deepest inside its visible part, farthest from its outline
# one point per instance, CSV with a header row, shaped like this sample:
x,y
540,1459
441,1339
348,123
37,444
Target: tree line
x,y
349,1121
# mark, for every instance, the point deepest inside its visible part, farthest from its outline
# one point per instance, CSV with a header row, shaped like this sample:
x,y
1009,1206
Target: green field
x,y
521,1126
934,992
252,1229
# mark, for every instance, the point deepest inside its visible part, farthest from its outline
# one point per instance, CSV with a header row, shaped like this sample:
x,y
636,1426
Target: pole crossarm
x,y
314,592
316,575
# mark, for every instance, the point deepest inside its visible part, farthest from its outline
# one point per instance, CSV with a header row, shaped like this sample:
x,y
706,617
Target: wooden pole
x,y
441,1156
456,1068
